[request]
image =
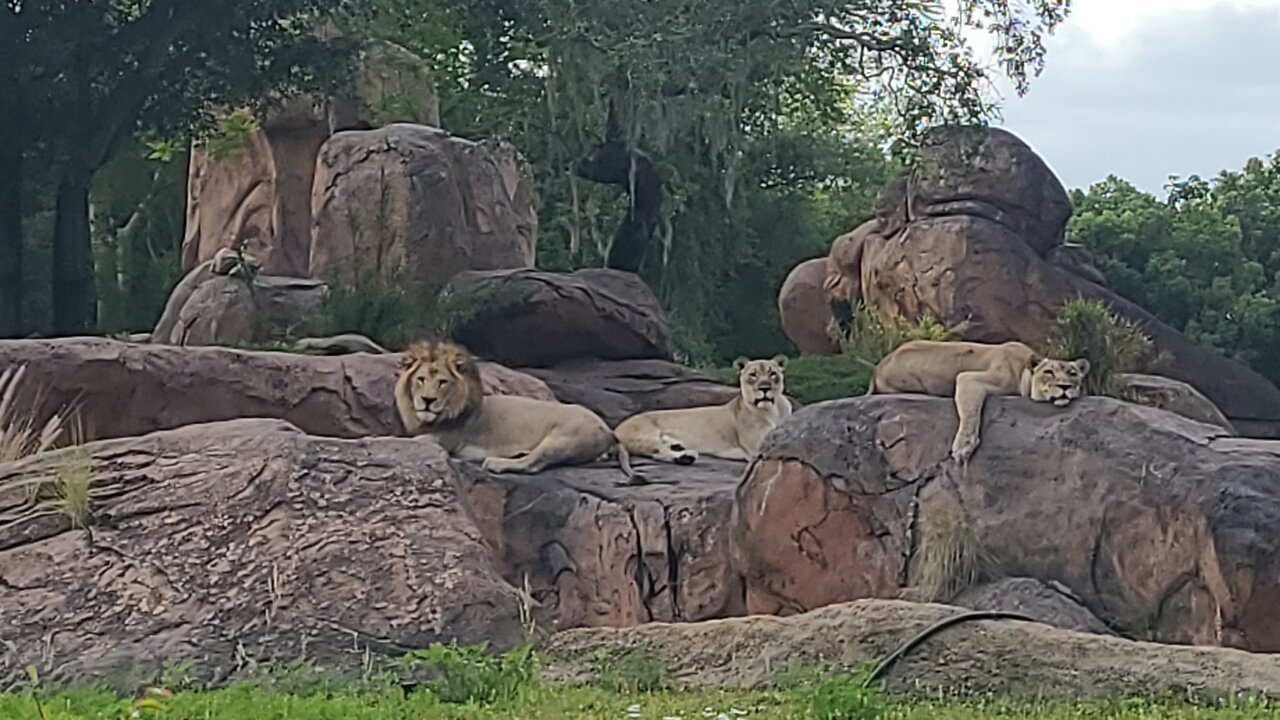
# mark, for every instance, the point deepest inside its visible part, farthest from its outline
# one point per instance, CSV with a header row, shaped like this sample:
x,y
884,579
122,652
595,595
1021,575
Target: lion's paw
x,y
963,448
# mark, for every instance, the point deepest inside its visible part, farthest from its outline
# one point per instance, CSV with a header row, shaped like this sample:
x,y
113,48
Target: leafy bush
x,y
870,336
1112,344
470,674
390,312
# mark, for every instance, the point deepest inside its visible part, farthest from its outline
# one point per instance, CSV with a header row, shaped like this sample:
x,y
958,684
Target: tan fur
x,y
972,371
439,393
732,431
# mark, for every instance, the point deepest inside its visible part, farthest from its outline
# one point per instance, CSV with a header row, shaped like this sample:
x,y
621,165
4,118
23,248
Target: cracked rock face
x,y
595,554
415,204
1162,526
124,389
531,318
245,541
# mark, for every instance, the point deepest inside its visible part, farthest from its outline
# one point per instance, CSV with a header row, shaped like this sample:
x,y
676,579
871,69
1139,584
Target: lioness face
x,y
1058,381
761,382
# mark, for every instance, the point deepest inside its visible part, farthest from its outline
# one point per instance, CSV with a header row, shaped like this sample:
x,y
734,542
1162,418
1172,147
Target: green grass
x,y
825,701
814,378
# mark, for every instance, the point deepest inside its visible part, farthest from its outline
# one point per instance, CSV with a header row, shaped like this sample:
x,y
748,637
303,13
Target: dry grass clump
x,y
21,433
951,558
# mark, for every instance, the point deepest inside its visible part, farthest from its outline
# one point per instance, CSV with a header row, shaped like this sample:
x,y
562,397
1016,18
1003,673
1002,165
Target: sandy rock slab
x,y
238,542
1163,527
1006,658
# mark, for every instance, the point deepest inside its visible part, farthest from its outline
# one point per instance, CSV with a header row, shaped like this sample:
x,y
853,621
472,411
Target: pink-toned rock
x,y
803,310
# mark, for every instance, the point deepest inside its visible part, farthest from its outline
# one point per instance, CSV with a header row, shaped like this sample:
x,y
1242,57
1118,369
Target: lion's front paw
x,y
499,465
963,446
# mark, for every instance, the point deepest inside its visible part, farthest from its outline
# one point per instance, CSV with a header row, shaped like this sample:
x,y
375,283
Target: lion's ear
x,y
740,363
1034,362
780,361
406,361
1083,366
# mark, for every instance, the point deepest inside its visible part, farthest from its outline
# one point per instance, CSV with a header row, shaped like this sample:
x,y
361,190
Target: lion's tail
x,y
624,461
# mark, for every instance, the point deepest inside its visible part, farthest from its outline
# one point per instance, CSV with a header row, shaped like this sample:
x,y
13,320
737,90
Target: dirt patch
x,y
1003,657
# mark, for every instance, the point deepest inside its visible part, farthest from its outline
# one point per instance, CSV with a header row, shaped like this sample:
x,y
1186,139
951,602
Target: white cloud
x,y
1148,88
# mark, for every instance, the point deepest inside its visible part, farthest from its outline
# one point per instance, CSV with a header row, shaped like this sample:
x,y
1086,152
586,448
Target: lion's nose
x,y
765,387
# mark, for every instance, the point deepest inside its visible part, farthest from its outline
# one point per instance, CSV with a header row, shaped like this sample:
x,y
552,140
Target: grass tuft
x,y
21,432
951,558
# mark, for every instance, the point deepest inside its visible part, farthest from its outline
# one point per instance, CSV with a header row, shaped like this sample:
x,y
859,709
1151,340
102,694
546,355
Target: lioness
x,y
439,393
972,371
732,431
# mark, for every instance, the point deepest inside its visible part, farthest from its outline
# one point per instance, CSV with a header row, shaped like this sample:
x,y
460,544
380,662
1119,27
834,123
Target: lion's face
x,y
761,382
440,381
1058,381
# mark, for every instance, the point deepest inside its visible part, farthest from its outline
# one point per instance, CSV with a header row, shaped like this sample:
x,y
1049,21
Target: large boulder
x,y
965,239
1163,526
242,542
120,389
619,389
802,309
208,306
596,554
537,319
1007,659
413,204
1050,603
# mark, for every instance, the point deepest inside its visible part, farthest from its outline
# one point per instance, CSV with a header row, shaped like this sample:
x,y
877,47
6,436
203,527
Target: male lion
x,y
439,393
732,431
971,371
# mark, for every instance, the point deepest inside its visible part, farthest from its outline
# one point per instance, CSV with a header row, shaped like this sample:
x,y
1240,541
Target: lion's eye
x,y
442,382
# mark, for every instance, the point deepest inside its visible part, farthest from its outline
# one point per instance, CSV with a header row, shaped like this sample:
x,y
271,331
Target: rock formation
x,y
536,319
1161,525
802,292
973,235
415,205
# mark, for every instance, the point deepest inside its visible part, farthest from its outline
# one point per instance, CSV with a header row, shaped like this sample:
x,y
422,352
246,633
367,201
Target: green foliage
x,y
231,134
74,487
814,378
470,674
629,672
832,695
393,314
1113,345
950,558
871,336
1205,261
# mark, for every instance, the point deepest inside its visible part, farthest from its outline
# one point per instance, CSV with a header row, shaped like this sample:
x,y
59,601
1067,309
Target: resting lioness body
x,y
970,372
733,430
439,393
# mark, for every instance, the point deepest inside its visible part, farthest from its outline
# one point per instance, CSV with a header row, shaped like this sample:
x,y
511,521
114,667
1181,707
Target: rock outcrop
x,y
209,306
248,540
1161,525
617,390
245,541
973,234
802,309
537,319
415,205
596,554
1007,659
1050,603
121,389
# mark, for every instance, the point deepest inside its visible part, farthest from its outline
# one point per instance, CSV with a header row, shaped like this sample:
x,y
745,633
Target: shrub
x,y
633,671
1112,344
470,674
869,336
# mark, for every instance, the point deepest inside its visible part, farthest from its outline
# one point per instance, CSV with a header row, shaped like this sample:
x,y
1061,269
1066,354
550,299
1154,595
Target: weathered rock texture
x,y
802,309
536,319
246,541
1003,658
414,204
618,390
1172,395
1164,527
965,236
259,195
122,389
1048,602
597,554
205,308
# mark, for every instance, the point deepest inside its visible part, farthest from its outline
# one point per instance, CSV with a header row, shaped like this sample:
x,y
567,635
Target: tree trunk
x,y
11,249
75,301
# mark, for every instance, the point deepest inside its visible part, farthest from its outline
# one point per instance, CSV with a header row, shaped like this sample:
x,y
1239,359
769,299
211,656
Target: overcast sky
x,y
1143,89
